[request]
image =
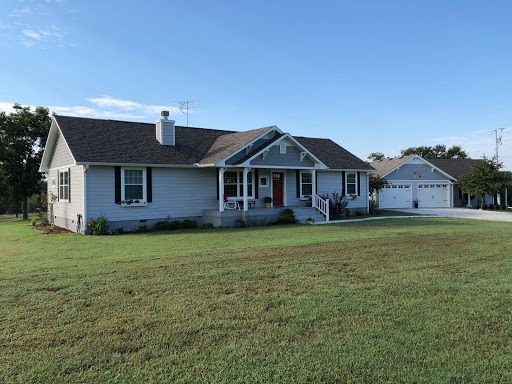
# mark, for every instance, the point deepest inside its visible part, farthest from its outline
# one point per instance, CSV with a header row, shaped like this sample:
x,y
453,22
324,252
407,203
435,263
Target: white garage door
x,y
395,196
433,195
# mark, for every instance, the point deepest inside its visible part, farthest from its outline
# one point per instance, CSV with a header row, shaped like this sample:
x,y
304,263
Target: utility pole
x,y
498,139
498,143
186,105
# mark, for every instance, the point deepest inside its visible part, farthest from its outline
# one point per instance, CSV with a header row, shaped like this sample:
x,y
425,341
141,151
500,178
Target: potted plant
x,y
416,203
310,220
267,200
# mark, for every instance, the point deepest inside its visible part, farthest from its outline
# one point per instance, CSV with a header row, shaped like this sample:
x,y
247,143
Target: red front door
x,y
277,189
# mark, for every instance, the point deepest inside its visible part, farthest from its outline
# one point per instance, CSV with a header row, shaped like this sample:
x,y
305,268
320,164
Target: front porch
x,y
257,216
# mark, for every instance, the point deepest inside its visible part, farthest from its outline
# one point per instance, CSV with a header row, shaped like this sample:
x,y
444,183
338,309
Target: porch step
x,y
304,213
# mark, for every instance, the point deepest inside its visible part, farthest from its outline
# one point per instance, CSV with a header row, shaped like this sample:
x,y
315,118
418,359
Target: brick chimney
x,y
165,130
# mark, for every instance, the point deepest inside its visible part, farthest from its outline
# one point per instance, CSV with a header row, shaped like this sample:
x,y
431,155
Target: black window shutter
x,y
218,186
117,185
69,185
343,183
149,185
256,180
358,183
58,185
297,183
316,183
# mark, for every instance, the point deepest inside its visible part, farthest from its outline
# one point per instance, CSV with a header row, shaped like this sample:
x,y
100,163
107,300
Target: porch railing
x,y
322,205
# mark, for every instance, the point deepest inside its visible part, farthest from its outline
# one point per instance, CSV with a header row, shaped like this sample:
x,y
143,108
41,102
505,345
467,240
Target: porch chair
x,y
230,203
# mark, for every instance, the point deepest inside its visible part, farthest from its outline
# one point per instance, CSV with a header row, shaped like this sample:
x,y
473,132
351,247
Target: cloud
x,y
20,12
127,105
40,36
110,102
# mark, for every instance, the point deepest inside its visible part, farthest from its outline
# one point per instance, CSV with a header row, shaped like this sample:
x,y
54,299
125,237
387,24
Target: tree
x,y
375,156
376,183
22,139
437,152
485,178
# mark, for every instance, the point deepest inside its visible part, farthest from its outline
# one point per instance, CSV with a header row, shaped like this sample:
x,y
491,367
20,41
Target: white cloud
x,y
110,102
39,36
7,107
126,105
20,12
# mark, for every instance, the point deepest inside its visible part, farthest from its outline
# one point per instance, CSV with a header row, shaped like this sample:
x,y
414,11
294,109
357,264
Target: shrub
x,y
162,226
33,222
207,226
485,206
491,206
504,206
374,207
97,227
117,231
140,229
337,205
50,229
240,223
189,224
359,212
287,216
176,224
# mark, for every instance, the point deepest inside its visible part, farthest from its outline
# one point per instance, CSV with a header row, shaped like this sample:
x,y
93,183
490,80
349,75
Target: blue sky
x,y
371,75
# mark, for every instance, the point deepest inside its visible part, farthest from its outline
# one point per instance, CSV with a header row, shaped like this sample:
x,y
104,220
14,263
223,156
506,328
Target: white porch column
x,y
313,192
246,171
221,189
469,201
451,196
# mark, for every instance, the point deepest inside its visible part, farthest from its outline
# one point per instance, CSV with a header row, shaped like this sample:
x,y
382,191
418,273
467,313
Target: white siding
x,y
177,192
61,155
65,213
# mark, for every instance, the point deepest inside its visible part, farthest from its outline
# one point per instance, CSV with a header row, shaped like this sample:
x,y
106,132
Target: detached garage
x,y
413,179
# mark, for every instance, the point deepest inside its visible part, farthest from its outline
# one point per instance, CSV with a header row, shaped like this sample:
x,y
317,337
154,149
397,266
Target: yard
x,y
401,300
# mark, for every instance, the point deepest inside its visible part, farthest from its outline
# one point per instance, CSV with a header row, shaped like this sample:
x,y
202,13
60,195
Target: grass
x,y
424,300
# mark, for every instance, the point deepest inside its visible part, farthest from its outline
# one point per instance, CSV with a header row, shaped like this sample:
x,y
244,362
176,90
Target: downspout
x,y
84,225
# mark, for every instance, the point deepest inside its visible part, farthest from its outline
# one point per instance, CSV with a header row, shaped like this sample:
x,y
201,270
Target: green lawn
x,y
421,300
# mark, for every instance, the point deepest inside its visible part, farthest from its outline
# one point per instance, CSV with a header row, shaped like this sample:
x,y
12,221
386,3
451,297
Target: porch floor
x,y
230,216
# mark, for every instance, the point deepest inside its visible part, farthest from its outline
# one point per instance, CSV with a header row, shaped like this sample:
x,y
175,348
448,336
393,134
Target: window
x,y
64,185
263,181
351,183
306,184
234,184
133,184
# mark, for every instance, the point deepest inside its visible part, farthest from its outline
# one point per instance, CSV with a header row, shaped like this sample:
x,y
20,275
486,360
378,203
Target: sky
x,y
374,76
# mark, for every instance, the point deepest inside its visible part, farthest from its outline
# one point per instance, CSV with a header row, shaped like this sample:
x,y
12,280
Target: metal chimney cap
x,y
164,114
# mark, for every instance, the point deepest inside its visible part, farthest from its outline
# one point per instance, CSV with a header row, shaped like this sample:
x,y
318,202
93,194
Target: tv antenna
x,y
186,105
498,139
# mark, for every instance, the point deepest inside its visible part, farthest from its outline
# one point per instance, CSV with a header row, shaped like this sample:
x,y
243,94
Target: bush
x,y
485,206
97,227
240,223
207,226
176,224
162,226
504,206
287,216
374,207
50,228
140,229
337,205
189,224
491,206
117,231
359,212
33,222
34,203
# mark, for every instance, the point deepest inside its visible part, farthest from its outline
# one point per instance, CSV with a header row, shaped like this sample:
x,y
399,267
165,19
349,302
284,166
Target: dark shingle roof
x,y
332,155
112,141
124,142
225,145
385,165
455,167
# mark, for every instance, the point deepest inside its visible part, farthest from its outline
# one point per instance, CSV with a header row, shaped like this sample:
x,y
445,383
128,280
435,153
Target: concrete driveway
x,y
465,213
